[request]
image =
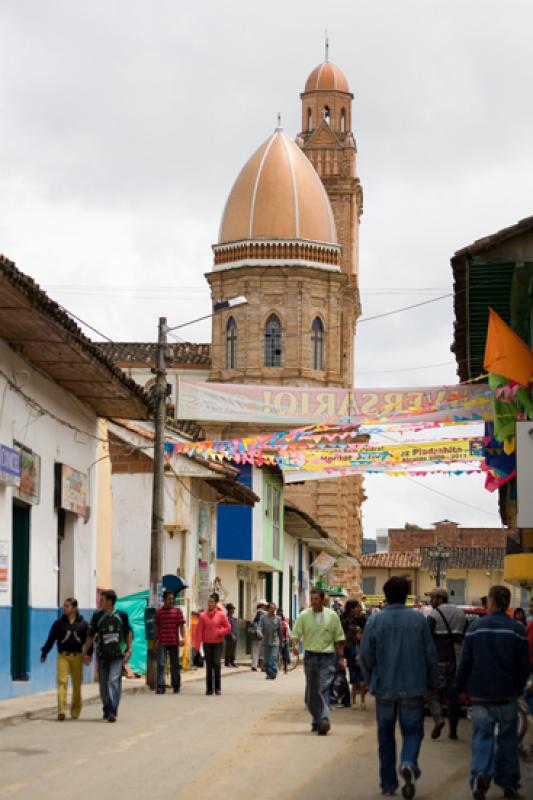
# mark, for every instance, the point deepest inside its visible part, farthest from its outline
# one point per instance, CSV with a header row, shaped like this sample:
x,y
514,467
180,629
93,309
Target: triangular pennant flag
x,y
506,353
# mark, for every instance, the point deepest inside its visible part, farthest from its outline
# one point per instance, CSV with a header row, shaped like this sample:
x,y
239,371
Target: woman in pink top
x,y
213,626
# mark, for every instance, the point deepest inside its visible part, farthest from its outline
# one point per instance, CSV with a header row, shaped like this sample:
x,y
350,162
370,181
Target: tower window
x,y
231,344
273,342
343,120
317,344
309,120
326,114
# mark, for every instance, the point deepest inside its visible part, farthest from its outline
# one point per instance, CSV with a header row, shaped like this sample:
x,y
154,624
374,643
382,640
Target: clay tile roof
x,y
468,558
45,334
391,560
143,353
486,242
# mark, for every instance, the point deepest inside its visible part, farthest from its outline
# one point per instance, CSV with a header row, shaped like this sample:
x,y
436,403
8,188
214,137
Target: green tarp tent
x,y
134,605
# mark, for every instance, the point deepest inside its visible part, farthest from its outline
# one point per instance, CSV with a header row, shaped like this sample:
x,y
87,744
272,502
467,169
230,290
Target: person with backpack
x,y
256,635
448,626
69,633
110,631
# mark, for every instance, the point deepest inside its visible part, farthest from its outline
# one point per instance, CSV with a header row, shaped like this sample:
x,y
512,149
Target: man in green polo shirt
x,y
320,630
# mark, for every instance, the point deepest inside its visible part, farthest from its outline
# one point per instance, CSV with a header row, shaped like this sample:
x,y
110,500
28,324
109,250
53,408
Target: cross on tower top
x,y
327,44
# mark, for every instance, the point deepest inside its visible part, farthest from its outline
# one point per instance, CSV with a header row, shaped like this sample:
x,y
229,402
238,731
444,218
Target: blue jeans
x,y
110,678
271,659
173,653
319,671
495,754
410,713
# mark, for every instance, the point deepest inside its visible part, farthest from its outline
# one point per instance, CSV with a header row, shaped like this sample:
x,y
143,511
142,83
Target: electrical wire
x,y
403,369
405,308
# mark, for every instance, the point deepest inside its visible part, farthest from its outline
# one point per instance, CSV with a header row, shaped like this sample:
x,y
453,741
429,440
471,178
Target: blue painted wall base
x,y
42,677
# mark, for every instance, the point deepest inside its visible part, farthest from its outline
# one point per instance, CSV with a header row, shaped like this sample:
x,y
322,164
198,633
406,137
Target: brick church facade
x,y
289,241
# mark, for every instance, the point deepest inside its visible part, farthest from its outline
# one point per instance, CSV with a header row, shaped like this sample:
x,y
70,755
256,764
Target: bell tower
x,y
329,144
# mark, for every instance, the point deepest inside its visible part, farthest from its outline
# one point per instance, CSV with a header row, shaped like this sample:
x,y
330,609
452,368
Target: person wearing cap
x,y
230,640
448,626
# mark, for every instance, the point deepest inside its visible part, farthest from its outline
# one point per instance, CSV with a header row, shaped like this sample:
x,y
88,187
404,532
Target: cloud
x,y
125,124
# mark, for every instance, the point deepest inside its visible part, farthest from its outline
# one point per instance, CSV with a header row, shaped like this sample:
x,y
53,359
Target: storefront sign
x,y
4,566
30,475
9,466
72,490
303,405
323,563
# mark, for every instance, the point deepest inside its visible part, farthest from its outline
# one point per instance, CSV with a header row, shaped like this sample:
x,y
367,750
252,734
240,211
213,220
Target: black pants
x,y
230,646
213,653
173,654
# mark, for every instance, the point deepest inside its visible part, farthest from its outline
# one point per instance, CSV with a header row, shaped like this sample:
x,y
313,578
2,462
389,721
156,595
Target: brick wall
x,y
401,540
123,460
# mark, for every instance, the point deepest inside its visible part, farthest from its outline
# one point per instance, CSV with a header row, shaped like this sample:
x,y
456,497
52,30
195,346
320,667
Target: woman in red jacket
x,y
213,626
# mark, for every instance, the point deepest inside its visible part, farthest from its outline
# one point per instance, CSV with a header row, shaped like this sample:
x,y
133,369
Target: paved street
x,y
253,741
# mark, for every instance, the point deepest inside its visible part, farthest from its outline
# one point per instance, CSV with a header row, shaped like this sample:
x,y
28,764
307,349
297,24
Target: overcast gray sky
x,y
125,123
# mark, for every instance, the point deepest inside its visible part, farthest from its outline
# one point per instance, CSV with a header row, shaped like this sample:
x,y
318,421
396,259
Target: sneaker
x,y
176,691
209,691
218,691
160,691
254,669
408,789
61,717
389,793
480,787
314,727
323,727
437,729
453,736
111,718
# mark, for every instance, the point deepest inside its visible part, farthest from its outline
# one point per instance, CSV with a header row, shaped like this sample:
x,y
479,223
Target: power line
x,y
404,369
455,500
405,308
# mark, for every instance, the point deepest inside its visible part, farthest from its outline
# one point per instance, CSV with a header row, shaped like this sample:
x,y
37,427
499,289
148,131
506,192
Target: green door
x,y
268,587
21,579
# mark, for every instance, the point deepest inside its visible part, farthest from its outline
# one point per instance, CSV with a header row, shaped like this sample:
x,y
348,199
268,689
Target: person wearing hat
x,y
448,626
256,635
230,640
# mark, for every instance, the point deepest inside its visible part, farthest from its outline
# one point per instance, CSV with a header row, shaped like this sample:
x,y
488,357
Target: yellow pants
x,y
72,665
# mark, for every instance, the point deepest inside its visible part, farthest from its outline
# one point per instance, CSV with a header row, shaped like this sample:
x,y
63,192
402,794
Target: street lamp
x,y
440,555
160,398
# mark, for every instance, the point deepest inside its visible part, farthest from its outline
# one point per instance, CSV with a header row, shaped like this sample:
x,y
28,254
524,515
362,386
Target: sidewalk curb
x,y
50,709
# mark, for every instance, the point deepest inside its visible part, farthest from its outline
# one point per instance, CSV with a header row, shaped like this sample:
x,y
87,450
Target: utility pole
x,y
159,393
160,398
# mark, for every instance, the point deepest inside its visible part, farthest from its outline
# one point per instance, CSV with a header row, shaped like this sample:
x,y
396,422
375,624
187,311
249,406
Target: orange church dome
x,y
278,195
327,77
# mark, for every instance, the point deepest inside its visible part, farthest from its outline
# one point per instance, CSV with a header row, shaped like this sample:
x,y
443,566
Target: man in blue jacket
x,y
399,662
493,671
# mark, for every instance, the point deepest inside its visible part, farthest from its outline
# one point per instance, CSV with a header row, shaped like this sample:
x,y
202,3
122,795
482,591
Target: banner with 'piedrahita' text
x,y
302,405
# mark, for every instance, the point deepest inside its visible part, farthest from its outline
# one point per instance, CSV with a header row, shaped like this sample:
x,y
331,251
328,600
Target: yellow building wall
x,y
478,582
104,506
383,575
